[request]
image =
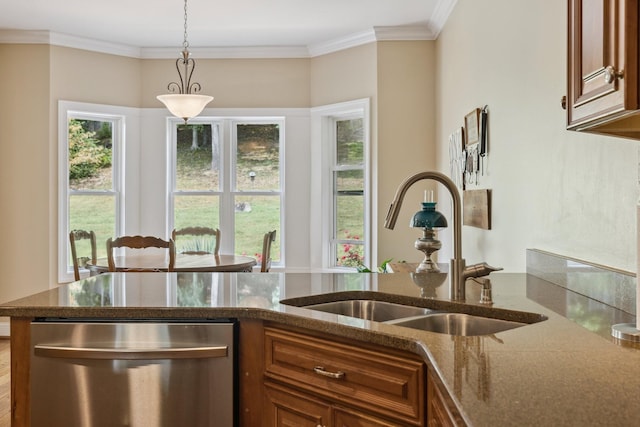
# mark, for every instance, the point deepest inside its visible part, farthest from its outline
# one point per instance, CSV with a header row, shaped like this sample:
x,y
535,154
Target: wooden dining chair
x,y
198,244
140,242
267,241
78,262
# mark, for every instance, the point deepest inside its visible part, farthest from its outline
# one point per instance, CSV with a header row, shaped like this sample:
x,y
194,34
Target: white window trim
x,y
66,111
323,147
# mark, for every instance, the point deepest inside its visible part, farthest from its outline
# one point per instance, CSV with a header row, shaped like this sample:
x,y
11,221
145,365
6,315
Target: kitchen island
x,y
565,370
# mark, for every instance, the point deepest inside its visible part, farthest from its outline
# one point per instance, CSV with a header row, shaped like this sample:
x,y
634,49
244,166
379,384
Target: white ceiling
x,y
221,23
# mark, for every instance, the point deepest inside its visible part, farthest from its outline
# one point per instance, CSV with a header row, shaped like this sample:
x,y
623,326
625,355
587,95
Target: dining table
x,y
183,263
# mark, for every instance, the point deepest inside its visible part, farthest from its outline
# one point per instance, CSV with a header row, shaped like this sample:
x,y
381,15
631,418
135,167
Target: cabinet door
x,y
602,60
288,408
343,417
439,413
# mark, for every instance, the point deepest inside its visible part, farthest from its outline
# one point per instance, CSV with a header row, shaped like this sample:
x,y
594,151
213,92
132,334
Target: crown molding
x,y
241,52
342,43
24,37
347,42
440,16
66,40
416,32
429,31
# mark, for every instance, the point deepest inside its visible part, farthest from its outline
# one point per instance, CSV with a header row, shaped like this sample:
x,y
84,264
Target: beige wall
x,y
565,192
83,76
406,130
344,76
235,83
25,142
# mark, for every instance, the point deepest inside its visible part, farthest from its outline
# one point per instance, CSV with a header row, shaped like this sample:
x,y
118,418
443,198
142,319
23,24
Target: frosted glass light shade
x,y
183,105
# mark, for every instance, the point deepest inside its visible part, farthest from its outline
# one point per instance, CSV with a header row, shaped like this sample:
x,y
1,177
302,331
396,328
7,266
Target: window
x,y
348,192
343,134
90,184
227,174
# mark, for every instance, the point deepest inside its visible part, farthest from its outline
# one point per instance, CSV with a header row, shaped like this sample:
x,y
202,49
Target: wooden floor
x,y
5,384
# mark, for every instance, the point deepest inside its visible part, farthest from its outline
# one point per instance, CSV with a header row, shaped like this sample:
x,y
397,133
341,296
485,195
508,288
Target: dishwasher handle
x,y
130,353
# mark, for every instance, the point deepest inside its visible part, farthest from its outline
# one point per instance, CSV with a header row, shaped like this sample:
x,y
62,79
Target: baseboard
x,y
4,329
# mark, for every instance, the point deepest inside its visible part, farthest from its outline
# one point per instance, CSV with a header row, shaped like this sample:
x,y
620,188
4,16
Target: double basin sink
x,y
444,320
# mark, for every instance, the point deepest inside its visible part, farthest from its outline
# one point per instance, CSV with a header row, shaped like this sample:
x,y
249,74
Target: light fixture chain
x,y
183,100
185,44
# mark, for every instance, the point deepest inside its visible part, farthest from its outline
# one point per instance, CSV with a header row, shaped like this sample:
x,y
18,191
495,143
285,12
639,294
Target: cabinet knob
x,y
610,74
563,102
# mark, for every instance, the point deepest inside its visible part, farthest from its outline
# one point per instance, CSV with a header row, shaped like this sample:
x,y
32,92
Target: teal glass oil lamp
x,y
429,219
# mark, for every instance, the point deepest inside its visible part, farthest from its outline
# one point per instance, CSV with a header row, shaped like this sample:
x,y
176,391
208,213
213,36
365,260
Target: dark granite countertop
x,y
565,370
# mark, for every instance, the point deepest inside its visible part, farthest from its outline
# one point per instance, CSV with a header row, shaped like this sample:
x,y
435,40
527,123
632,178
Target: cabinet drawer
x,y
383,383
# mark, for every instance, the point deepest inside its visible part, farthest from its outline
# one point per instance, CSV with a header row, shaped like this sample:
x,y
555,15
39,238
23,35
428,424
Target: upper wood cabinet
x,y
602,81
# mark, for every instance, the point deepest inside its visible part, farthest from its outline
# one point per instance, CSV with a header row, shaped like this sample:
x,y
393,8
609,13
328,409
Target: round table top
x,y
208,262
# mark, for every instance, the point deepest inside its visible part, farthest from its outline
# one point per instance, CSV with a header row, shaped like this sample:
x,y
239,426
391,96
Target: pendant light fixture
x,y
184,100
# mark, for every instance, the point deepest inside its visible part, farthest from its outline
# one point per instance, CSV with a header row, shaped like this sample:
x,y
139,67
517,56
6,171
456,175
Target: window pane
x,y
196,211
90,155
95,213
349,202
256,215
350,144
349,255
198,157
258,157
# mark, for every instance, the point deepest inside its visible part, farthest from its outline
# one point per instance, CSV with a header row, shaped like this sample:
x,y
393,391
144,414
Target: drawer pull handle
x,y
320,371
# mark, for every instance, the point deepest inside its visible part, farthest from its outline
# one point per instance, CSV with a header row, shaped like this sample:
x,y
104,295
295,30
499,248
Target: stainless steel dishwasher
x,y
93,373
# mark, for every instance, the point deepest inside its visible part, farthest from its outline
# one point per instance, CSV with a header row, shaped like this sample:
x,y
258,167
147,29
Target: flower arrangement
x,y
352,254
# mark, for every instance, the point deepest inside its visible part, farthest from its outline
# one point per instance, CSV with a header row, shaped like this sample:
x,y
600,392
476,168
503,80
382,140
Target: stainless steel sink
x,y
458,324
378,311
427,314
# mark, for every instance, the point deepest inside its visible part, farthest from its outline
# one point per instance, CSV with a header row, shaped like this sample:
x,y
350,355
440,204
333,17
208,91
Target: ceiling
x,y
157,24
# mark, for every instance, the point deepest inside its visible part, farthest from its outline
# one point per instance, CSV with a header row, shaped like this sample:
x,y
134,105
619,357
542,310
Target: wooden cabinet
x,y
285,406
319,380
602,79
440,409
346,417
